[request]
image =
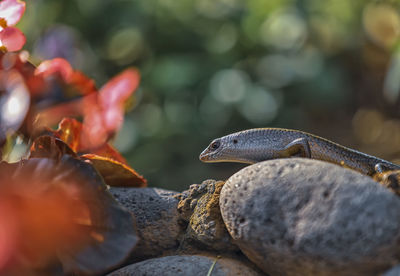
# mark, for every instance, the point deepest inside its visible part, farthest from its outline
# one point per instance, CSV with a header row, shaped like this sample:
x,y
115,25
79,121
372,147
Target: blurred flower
x,y
11,38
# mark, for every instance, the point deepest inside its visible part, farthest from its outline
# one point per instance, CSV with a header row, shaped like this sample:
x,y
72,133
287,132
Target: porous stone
x,y
307,217
156,216
199,207
187,266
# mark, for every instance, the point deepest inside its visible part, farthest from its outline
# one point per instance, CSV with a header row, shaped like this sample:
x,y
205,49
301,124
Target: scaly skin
x,y
255,145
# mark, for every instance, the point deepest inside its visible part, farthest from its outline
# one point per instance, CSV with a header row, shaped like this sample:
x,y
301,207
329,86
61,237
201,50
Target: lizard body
x,y
255,145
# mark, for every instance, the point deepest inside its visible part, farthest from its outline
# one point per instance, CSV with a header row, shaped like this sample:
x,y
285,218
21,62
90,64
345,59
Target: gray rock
x,y
156,216
187,266
395,271
307,217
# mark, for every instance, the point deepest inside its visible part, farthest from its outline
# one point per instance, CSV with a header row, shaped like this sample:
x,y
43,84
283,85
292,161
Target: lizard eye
x,y
215,145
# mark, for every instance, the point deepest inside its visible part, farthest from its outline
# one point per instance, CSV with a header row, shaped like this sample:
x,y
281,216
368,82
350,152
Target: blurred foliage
x,y
211,67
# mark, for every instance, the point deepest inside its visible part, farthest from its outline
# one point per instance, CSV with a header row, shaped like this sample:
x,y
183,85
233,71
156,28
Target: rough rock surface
x,y
156,216
307,217
199,207
187,266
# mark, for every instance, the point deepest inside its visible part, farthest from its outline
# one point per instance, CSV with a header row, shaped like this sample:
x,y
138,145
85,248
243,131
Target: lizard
x,y
259,144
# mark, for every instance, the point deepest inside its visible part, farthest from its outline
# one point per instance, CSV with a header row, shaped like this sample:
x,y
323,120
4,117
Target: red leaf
x,y
56,66
84,84
63,69
52,115
12,39
103,115
119,88
11,11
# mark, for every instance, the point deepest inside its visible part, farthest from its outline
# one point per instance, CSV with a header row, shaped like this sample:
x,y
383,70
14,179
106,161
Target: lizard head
x,y
211,153
225,149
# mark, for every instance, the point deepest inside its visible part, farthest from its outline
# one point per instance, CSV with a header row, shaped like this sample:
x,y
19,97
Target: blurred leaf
x,y
70,131
62,69
103,113
49,147
107,160
63,210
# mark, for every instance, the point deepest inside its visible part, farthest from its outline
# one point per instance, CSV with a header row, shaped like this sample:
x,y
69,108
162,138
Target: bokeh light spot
x,y
179,113
229,86
275,70
367,125
223,40
284,30
125,46
14,104
217,8
382,24
259,106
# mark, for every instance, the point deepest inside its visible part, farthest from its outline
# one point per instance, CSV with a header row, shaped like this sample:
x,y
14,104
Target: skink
x,y
255,145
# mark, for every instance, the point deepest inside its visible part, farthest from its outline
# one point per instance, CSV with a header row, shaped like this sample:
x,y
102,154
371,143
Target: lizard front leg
x,y
297,148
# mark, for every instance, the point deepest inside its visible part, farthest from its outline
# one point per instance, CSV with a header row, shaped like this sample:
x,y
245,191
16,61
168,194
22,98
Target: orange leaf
x,y
110,152
69,130
116,174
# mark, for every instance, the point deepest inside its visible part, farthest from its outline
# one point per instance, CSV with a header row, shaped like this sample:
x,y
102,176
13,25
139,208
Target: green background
x,y
212,67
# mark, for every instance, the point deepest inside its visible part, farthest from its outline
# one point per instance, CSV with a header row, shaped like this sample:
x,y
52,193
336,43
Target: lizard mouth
x,y
209,156
204,156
